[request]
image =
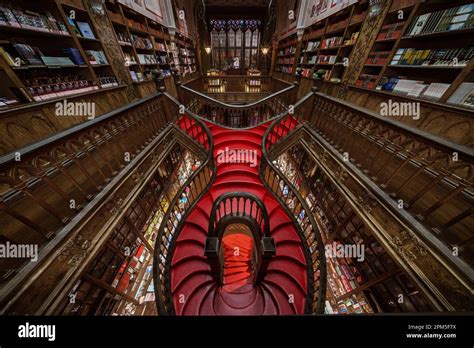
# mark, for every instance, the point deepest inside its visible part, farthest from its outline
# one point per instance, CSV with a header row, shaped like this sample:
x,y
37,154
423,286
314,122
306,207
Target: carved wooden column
x,y
106,34
360,53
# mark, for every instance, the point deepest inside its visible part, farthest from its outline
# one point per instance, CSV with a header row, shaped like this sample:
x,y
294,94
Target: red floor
x,y
282,290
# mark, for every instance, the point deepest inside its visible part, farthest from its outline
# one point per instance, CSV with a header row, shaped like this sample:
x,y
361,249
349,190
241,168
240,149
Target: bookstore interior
x,y
240,157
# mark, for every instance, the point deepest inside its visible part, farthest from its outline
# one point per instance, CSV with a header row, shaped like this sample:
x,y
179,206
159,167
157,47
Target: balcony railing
x,y
295,205
429,177
45,185
238,116
232,84
239,207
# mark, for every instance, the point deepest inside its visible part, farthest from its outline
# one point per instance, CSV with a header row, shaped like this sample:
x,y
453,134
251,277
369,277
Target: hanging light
x,y
375,7
265,50
208,49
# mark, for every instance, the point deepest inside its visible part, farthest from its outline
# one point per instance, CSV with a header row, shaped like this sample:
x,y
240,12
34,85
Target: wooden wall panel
x,y
24,126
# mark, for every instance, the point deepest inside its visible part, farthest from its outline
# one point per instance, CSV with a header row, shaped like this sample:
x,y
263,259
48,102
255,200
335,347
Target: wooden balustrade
x,y
182,203
429,177
237,116
44,186
295,204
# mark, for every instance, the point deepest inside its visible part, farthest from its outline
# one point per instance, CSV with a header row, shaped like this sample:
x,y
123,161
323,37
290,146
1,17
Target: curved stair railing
x,y
239,207
428,180
295,205
184,200
237,116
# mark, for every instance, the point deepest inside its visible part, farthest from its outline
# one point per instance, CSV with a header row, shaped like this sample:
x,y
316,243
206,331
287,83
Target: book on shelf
x,y
404,86
86,30
464,95
75,55
455,57
455,18
366,81
96,57
391,31
312,46
74,27
352,40
20,18
435,91
30,55
57,61
6,102
378,58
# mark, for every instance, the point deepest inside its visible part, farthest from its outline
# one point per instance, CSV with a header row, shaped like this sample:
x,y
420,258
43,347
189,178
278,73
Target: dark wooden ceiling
x,y
254,9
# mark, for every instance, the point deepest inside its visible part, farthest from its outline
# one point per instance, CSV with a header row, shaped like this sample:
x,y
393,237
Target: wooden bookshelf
x,y
184,56
52,58
327,45
426,52
287,55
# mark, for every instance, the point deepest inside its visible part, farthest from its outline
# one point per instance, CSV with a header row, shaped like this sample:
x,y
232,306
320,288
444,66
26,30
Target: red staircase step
x,y
190,272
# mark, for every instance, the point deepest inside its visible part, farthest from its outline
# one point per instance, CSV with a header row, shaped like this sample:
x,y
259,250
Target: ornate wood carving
x,y
438,280
106,34
367,37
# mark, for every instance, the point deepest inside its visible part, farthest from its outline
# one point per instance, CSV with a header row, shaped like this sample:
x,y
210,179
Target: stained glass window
x,y
234,39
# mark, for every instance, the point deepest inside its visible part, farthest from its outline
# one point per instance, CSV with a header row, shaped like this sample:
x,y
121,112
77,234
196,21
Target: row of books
x,y
185,52
141,42
164,59
312,46
19,18
455,18
287,50
96,57
367,81
6,102
332,42
286,69
58,86
129,59
82,29
352,40
323,59
391,31
378,58
136,76
289,60
436,57
305,72
322,74
123,38
108,81
464,95
160,46
19,54
147,59
413,88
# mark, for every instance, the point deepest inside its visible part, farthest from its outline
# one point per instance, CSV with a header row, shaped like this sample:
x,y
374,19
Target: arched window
x,y
235,43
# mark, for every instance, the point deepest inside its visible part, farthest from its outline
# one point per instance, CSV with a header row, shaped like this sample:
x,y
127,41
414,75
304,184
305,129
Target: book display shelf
x,y
286,55
186,54
327,45
427,55
253,85
136,41
49,50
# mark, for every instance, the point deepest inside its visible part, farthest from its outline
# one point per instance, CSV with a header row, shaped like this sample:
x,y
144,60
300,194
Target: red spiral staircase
x,y
283,288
